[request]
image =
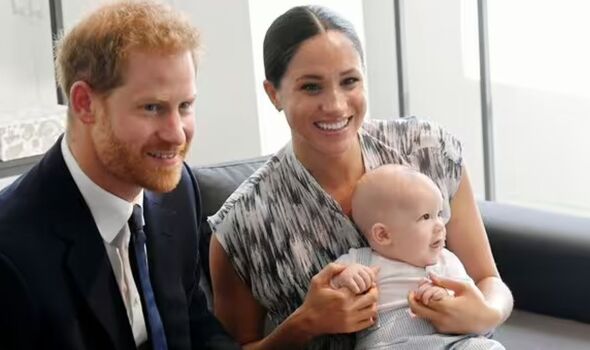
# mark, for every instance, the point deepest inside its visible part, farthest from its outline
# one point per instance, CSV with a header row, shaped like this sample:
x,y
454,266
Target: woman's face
x,y
323,95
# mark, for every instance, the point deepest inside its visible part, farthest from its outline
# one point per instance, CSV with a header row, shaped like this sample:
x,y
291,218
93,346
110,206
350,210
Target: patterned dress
x,y
280,228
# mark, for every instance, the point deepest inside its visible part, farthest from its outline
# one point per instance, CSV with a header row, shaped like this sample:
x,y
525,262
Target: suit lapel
x,y
93,276
86,259
159,228
162,230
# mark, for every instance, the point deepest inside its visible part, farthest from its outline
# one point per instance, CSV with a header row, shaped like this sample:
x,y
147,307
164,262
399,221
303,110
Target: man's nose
x,y
172,129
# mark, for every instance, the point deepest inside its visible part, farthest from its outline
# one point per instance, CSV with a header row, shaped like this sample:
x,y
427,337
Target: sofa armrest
x,y
543,257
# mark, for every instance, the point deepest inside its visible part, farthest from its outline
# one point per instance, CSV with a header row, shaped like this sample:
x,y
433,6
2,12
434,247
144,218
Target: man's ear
x,y
272,93
81,100
380,234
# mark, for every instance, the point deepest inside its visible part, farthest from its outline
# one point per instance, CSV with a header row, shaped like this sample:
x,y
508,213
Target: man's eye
x,y
152,108
185,106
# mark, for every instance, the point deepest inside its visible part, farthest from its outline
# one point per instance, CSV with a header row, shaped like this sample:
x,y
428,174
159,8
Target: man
x,y
98,242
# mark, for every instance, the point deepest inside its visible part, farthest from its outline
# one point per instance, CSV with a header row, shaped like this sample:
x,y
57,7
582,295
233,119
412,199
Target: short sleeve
x,y
227,236
346,259
452,160
423,145
232,224
453,268
437,153
356,256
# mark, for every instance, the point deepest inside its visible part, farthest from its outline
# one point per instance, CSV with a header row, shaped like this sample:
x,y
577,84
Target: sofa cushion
x,y
216,183
527,330
544,258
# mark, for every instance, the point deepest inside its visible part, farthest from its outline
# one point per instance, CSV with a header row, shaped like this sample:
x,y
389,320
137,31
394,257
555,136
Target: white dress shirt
x,y
110,214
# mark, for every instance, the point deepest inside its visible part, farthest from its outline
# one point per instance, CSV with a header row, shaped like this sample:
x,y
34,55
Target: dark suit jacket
x,y
57,288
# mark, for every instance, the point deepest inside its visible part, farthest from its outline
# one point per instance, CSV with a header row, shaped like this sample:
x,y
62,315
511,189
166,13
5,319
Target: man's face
x,y
144,127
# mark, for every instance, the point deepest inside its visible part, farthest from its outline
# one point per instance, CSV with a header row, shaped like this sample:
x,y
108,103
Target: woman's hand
x,y
325,310
467,312
329,311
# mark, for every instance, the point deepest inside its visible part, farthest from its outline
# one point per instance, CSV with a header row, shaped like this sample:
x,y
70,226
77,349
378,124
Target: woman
x,y
275,236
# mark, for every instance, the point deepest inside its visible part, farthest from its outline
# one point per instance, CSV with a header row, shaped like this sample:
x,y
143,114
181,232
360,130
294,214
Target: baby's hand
x,y
428,292
356,277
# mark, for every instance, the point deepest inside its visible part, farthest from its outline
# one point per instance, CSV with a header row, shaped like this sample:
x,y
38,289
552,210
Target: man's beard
x,y
129,164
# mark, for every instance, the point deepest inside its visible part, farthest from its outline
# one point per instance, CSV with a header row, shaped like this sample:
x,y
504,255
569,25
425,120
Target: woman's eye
x,y
350,81
310,88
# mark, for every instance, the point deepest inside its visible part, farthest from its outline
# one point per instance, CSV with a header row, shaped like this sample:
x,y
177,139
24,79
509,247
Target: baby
x,y
399,210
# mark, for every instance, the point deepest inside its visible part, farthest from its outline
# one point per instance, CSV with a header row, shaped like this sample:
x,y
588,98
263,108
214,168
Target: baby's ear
x,y
380,234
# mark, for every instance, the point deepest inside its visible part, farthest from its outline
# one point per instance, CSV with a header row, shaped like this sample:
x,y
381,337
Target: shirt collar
x,y
110,212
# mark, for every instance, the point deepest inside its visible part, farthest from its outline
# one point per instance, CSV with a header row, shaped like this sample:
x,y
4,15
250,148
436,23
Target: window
x,y
541,102
30,118
539,69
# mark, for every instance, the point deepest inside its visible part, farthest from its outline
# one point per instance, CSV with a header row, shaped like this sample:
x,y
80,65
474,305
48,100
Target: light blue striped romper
x,y
395,328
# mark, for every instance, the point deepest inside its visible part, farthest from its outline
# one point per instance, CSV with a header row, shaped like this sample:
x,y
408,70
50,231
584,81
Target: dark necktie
x,y
153,319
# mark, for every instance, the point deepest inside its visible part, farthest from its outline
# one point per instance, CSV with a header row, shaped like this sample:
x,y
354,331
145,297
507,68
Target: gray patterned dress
x,y
280,228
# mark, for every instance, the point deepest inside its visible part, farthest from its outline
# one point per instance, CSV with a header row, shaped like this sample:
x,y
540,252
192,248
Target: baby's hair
x,y
371,188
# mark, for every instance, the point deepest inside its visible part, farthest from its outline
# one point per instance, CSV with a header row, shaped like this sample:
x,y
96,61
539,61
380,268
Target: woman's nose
x,y
334,102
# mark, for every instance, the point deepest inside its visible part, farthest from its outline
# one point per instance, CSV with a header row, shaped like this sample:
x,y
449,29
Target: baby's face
x,y
418,231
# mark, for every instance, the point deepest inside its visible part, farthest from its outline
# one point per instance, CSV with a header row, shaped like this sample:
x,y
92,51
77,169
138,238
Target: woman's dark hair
x,y
289,30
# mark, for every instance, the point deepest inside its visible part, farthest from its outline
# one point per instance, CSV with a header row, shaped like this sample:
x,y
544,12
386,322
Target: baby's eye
x,y
425,216
440,214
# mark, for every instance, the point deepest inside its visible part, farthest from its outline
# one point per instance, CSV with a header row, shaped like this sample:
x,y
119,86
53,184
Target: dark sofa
x,y
543,257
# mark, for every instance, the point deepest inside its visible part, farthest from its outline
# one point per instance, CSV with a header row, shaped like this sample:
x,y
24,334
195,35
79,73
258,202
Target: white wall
x,y
227,113
380,52
74,10
438,87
